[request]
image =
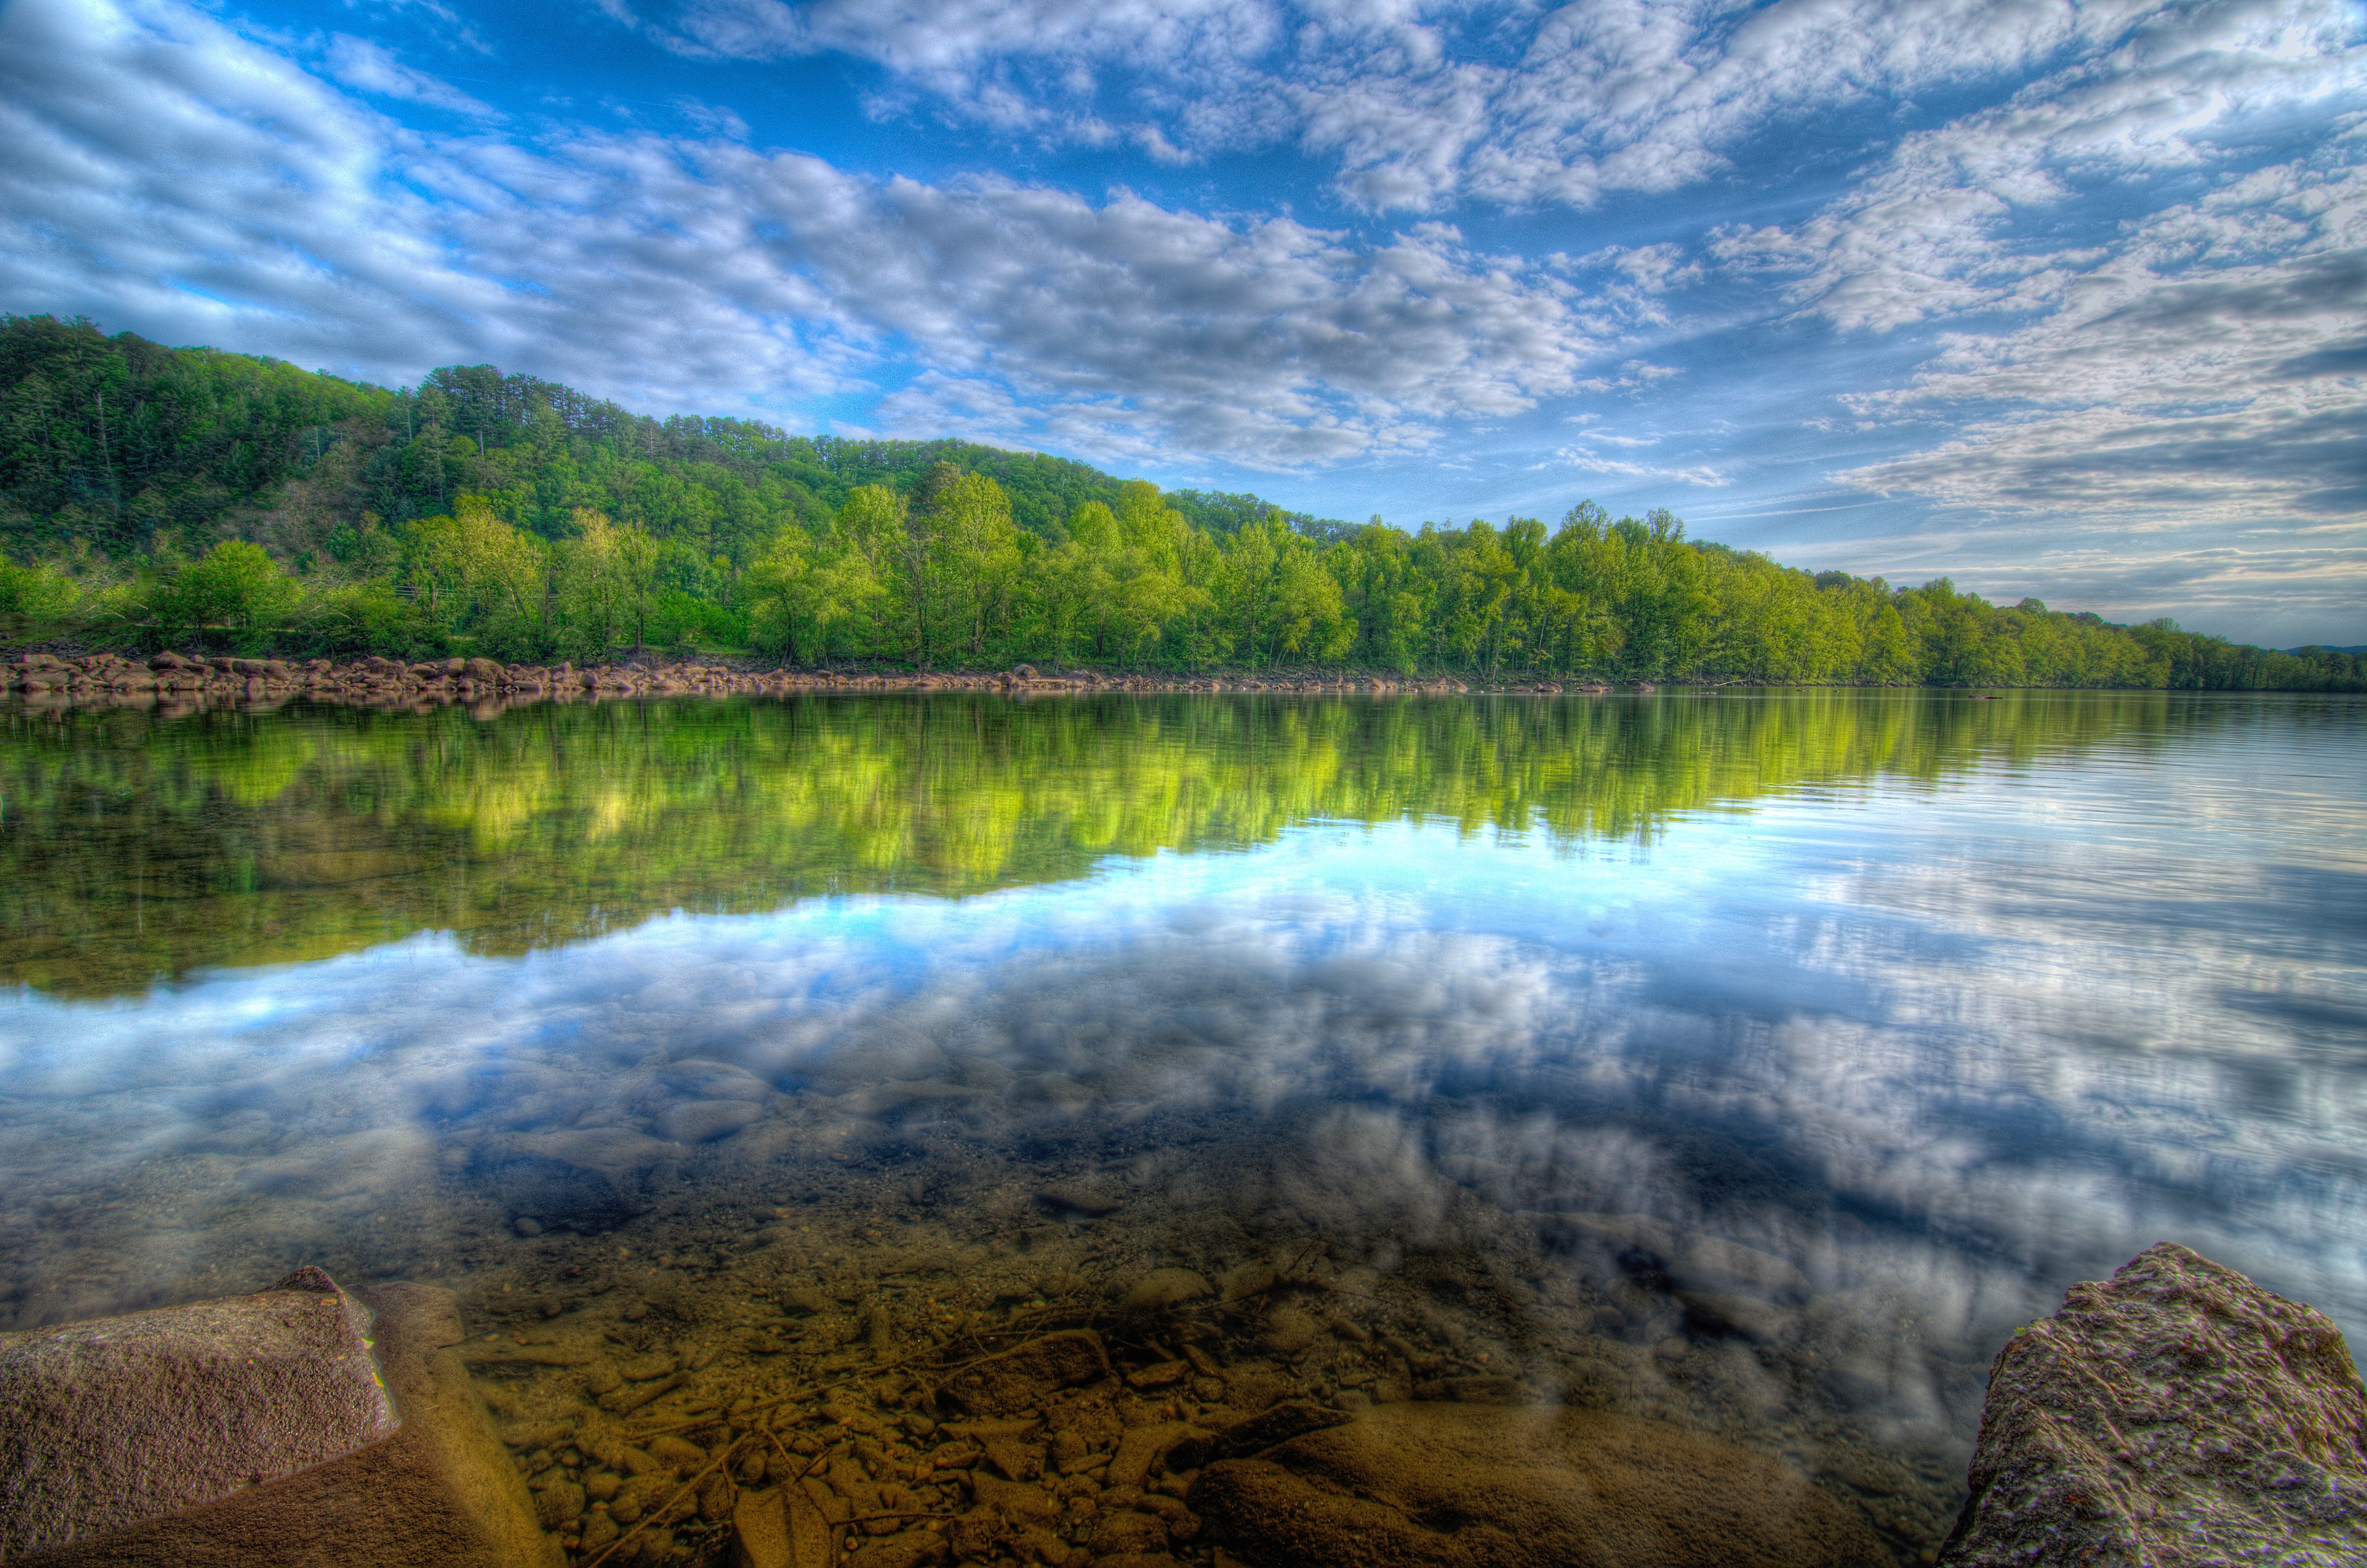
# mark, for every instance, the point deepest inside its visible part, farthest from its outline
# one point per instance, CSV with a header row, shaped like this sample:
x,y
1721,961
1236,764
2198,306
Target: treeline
x,y
152,496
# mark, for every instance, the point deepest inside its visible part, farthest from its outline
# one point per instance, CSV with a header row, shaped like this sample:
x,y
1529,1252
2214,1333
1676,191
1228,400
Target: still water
x,y
1753,1062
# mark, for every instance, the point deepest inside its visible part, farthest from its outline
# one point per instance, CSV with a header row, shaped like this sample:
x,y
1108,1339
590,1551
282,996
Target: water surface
x,y
1752,1060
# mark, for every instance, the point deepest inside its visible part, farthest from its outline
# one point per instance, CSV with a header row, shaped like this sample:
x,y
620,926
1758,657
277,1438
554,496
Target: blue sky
x,y
2058,299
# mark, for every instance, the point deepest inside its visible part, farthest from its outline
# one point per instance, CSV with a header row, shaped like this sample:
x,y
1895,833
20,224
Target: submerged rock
x,y
557,1192
780,1529
1090,1198
106,1424
706,1121
1291,1418
1009,1446
2175,1415
613,1152
1162,1289
1448,1485
1004,1384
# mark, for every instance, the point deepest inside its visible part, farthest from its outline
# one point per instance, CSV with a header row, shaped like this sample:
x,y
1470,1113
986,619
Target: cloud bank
x,y
252,202
2083,275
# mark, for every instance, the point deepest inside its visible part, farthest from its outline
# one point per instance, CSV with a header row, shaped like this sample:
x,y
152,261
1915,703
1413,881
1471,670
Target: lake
x,y
1750,1061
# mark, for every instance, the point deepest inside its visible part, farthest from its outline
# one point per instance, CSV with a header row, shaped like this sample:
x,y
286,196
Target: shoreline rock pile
x,y
176,679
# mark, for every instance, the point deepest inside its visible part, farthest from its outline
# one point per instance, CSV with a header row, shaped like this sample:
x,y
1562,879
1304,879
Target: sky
x,y
2065,300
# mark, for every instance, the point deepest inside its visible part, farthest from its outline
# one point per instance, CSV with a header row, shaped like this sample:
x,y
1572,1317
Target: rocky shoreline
x,y
170,679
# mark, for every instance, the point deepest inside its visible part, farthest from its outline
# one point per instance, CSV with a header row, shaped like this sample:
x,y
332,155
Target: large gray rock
x,y
1437,1485
440,1489
107,1423
2178,1414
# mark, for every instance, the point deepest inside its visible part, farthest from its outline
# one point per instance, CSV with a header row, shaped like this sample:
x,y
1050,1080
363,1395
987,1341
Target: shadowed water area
x,y
1752,1063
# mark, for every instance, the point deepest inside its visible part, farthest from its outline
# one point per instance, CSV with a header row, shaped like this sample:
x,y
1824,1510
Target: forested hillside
x,y
152,495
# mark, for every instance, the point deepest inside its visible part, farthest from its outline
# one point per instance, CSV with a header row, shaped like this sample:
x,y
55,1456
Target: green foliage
x,y
686,623
237,587
39,594
111,442
355,619
523,520
607,587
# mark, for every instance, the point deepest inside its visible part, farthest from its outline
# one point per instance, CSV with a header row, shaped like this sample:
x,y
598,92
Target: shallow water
x,y
1755,1062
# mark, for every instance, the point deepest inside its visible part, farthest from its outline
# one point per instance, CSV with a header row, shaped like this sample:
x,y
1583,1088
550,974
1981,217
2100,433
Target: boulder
x,y
441,1489
2176,1413
1010,1382
1459,1486
107,1423
1291,1418
706,1121
1090,1198
1162,1289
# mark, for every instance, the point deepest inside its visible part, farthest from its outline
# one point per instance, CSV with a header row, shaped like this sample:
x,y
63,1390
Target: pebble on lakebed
x,y
910,1330
1154,1419
1111,1389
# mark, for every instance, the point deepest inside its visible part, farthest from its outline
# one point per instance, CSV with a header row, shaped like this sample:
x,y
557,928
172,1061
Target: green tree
x,y
607,585
506,574
1280,599
39,594
919,560
237,586
863,566
978,559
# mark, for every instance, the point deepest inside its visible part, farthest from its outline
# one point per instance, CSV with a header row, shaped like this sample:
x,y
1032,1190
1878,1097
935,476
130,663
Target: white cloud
x,y
941,43
1634,376
2187,376
362,64
1420,106
1928,232
1589,462
2194,376
247,201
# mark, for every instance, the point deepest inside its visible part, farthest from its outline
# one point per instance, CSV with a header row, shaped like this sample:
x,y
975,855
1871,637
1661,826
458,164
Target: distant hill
x,y
191,497
2354,650
123,446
